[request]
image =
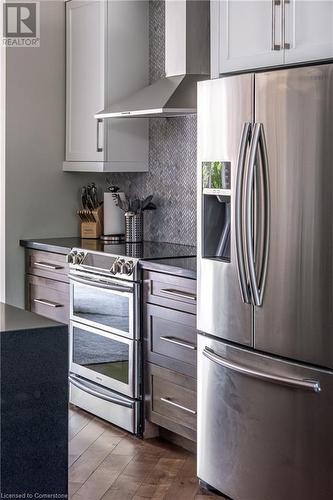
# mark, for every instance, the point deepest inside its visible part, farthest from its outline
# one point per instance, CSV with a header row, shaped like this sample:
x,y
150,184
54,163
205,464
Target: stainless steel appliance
x,y
105,346
265,284
186,62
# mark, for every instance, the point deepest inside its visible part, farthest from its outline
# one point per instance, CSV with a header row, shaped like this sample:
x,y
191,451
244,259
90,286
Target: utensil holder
x,y
133,227
93,229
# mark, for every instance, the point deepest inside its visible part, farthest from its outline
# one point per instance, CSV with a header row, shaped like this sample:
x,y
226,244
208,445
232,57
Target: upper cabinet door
x,y
309,30
86,32
249,34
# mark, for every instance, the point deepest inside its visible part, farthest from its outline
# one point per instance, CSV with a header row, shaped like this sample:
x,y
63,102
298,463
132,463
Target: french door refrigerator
x,y
265,284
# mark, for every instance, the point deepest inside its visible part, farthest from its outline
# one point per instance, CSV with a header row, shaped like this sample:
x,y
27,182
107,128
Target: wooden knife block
x,y
93,229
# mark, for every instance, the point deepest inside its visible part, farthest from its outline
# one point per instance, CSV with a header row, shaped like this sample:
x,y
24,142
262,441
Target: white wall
x,y
2,171
41,200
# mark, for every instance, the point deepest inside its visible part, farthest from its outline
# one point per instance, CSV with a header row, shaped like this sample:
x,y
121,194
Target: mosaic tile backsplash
x,y
172,159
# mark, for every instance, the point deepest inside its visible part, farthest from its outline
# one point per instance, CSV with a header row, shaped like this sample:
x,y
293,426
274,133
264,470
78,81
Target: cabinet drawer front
x,y
171,339
173,403
48,298
170,291
48,264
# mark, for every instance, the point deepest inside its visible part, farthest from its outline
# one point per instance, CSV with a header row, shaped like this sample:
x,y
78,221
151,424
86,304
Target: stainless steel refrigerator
x,y
265,284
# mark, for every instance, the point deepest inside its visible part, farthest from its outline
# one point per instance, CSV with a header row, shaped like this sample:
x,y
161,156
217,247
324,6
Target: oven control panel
x,y
103,263
122,266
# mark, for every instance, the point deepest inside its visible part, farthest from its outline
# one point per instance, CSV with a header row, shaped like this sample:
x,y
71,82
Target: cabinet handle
x,y
45,265
99,148
176,293
181,343
286,45
177,405
47,303
275,3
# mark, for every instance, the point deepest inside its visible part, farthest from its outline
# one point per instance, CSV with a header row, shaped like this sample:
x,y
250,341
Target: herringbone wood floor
x,y
110,464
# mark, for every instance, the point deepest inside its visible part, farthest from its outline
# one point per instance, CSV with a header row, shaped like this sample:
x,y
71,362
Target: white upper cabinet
x,y
86,36
246,34
107,58
309,30
249,34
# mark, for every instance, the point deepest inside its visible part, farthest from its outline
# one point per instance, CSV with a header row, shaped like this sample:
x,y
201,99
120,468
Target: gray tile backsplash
x,y
172,160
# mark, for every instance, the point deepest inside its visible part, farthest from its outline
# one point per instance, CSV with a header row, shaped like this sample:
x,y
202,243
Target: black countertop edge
x,y
64,246
185,267
57,245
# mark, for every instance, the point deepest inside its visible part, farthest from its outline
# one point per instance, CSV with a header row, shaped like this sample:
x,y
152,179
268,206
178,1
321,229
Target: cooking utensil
x,y
93,195
146,202
84,197
111,187
135,205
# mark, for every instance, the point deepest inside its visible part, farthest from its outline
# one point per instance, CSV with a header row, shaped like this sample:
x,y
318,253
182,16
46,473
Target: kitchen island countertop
x,y
34,409
15,319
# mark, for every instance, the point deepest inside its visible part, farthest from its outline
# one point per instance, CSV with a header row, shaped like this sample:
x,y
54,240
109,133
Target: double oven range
x,y
105,345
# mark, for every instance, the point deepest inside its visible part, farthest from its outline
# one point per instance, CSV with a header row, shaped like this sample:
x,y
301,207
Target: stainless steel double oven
x,y
105,346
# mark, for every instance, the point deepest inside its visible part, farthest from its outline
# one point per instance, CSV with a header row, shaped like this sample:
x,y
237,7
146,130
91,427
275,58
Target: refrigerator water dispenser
x,y
216,194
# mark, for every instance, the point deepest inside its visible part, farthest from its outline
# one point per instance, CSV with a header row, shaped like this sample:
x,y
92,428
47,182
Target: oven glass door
x,y
102,357
109,307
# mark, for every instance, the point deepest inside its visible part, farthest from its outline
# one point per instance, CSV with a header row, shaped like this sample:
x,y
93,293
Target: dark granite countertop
x,y
62,245
182,266
147,250
15,319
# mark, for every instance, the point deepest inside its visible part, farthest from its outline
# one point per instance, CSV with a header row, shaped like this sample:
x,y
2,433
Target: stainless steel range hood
x,y
187,59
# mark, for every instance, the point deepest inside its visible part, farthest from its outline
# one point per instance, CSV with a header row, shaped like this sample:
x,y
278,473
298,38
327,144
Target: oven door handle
x,y
91,282
99,394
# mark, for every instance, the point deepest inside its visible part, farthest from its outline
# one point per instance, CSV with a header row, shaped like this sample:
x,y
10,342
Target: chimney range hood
x,y
187,59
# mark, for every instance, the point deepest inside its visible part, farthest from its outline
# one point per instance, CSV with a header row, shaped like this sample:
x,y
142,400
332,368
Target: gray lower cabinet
x,y
46,284
171,339
170,351
172,401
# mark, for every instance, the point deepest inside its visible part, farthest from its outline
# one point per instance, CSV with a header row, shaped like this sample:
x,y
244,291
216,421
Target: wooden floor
x,y
110,464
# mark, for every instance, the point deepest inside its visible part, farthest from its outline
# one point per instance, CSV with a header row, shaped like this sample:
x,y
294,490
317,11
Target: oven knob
x,y
116,267
127,268
69,258
79,258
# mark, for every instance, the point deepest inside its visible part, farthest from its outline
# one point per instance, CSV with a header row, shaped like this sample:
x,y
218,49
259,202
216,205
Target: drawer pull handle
x,y
177,405
181,343
45,265
176,293
47,303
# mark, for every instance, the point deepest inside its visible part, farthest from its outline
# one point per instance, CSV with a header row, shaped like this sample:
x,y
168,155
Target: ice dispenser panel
x,y
216,192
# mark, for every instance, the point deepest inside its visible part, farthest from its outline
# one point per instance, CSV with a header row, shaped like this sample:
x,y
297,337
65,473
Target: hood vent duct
x,y
187,60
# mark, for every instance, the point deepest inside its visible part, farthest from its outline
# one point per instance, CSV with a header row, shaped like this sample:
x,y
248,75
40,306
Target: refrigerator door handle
x,y
265,212
258,145
308,385
249,231
245,140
